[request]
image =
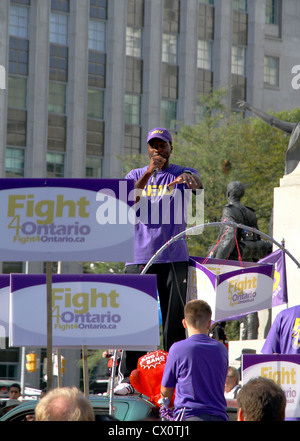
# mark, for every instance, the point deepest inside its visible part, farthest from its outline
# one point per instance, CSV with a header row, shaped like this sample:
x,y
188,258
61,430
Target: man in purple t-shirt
x,y
196,369
160,211
284,335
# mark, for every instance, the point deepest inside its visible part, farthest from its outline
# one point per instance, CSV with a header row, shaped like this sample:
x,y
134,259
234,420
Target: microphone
x,y
153,176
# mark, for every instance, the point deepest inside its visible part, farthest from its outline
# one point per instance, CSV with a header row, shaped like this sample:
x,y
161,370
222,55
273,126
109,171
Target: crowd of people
x,y
260,399
189,346
197,364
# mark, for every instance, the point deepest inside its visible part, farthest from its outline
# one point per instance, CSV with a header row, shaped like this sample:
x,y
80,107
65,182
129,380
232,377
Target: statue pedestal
x,y
286,225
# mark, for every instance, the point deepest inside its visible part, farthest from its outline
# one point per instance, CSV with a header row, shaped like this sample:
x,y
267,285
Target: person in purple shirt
x,y
196,369
161,215
284,334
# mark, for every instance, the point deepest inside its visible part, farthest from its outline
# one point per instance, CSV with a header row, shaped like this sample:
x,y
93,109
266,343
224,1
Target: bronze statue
x,y
250,245
293,151
232,244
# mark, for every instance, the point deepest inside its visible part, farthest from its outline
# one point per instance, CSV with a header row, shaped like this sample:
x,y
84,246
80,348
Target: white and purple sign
x,y
66,219
229,287
115,311
280,295
4,304
284,369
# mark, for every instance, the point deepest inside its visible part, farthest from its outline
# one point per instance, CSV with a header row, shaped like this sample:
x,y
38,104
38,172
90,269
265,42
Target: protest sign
x,y
231,289
4,302
284,369
280,295
66,220
103,311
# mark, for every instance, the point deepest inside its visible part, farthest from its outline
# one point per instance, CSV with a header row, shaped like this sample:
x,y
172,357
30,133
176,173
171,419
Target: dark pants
x,y
172,294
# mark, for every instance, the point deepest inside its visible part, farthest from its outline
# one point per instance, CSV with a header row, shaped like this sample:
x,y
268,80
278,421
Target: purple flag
x,y
277,258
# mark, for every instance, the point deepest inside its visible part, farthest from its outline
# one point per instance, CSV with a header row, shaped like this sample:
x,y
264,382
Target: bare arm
x,y
156,163
193,181
167,392
267,118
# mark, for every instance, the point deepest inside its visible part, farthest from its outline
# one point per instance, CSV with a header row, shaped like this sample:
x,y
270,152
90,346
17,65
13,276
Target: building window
x,y
98,9
272,12
60,5
95,137
55,165
97,73
9,363
204,82
132,113
171,18
135,13
57,98
134,42
238,60
16,127
168,114
240,5
132,140
12,267
206,18
240,29
18,56
206,22
134,75
204,55
97,35
18,21
239,54
21,2
271,71
169,48
58,63
95,105
17,92
238,89
57,127
169,81
14,162
59,28
93,167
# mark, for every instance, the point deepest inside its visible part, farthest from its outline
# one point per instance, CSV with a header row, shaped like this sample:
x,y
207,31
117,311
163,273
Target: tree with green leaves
x,y
225,147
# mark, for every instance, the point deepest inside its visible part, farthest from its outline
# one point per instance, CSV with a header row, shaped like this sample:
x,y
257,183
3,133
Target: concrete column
x,y
115,87
77,89
187,59
37,96
222,45
255,53
4,45
152,67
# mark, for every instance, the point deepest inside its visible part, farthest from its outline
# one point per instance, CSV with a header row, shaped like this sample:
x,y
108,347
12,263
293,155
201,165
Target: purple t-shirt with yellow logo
x,y
161,214
284,335
197,368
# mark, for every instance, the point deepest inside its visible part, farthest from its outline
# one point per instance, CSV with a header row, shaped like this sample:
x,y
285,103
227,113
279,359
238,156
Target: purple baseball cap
x,y
161,133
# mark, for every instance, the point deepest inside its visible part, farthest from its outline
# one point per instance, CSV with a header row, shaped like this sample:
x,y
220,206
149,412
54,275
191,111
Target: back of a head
x,y
64,404
233,372
261,399
197,313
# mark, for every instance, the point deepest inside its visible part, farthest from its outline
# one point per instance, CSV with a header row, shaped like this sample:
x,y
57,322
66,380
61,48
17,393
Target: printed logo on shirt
x,y
296,334
157,190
